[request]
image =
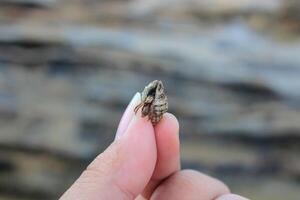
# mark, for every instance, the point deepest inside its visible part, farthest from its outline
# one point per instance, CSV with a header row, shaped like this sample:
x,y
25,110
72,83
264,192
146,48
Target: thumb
x,y
123,170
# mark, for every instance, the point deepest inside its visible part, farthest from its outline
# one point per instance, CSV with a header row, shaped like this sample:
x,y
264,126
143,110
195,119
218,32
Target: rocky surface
x,y
230,69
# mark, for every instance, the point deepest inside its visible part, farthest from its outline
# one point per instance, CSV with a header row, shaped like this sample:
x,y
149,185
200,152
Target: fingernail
x,y
231,197
128,115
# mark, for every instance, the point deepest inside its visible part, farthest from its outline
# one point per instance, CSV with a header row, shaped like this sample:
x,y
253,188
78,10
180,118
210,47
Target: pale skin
x,y
143,162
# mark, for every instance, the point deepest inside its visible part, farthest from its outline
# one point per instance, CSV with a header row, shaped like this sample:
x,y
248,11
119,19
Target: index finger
x,y
168,152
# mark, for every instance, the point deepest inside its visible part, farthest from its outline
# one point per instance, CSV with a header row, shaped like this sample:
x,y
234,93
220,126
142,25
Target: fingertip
x,y
168,123
127,116
167,136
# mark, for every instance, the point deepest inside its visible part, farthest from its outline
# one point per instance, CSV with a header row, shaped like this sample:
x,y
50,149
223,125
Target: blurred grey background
x,y
231,69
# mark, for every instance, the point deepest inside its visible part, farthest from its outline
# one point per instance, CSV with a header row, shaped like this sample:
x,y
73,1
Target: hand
x,y
144,163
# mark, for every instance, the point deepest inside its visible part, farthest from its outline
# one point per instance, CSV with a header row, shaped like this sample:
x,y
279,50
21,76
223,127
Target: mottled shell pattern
x,y
154,102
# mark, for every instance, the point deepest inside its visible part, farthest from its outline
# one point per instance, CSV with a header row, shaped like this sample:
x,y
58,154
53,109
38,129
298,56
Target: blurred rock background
x,y
231,68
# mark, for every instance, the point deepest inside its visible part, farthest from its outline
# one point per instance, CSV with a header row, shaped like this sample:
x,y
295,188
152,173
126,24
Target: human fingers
x,y
123,170
168,152
189,185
